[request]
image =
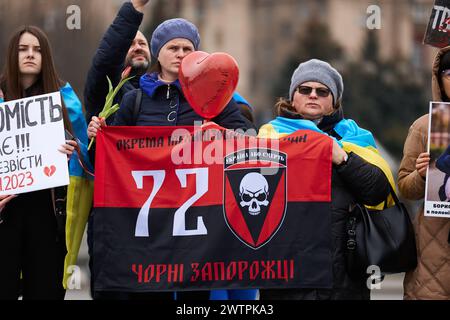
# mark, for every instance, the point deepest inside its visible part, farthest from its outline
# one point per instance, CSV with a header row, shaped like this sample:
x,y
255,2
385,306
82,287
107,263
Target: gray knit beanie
x,y
318,71
172,29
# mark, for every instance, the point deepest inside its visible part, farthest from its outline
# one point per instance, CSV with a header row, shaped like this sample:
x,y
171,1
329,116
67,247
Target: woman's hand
x,y
339,155
4,200
94,126
422,163
1,94
68,148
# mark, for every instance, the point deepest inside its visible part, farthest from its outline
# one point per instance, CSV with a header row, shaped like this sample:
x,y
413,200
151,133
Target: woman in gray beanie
x,y
314,103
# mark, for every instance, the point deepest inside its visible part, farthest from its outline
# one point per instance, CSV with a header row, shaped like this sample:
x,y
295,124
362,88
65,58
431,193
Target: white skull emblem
x,y
254,191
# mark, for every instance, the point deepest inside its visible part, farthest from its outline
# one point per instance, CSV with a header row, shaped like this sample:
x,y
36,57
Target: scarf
x,y
346,132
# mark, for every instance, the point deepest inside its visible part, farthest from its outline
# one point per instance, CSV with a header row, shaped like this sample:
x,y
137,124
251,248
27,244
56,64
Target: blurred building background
x,y
263,34
73,49
387,71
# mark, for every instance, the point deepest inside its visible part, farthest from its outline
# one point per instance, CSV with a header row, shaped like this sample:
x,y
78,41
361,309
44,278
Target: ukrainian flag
x,y
81,188
354,139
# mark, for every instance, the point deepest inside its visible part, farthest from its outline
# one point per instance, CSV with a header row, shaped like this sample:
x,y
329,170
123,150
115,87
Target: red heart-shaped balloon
x,y
208,81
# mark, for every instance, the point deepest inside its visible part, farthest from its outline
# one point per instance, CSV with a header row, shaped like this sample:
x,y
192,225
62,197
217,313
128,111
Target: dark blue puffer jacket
x,y
109,60
165,105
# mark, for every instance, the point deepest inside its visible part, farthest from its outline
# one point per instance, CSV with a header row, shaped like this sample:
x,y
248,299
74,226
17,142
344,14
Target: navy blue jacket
x,y
165,105
109,60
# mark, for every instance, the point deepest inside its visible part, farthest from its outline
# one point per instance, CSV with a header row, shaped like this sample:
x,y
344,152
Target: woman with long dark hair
x,y
32,241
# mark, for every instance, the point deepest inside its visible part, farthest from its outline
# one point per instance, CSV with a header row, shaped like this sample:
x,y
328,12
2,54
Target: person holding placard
x,y
431,278
32,240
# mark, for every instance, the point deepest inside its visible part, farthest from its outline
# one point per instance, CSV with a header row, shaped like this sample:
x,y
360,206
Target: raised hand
x,y
139,4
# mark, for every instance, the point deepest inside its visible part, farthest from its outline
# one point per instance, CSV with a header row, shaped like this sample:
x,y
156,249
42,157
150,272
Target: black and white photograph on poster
x,y
438,30
31,131
437,202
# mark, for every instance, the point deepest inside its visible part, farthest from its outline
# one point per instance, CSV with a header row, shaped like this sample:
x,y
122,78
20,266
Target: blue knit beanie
x,y
318,71
172,29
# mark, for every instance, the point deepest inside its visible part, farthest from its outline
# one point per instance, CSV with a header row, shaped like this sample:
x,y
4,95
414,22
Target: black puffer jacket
x,y
354,181
109,60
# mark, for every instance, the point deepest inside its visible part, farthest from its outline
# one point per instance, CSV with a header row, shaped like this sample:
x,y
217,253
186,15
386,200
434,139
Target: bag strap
x,y
137,105
351,231
394,197
351,228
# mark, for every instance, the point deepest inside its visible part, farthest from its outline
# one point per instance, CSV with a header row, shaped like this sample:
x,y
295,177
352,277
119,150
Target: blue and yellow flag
x,y
354,139
81,187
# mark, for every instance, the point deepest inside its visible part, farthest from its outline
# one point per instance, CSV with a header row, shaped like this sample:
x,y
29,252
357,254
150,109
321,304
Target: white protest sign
x,y
437,190
31,131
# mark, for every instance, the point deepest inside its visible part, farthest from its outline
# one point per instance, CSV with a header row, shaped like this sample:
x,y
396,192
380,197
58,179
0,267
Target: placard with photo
x,y
437,200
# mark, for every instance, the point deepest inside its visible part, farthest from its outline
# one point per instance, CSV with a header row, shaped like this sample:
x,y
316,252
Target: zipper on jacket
x,y
168,91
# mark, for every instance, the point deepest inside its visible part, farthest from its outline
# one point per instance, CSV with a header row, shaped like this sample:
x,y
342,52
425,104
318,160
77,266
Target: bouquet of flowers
x,y
109,108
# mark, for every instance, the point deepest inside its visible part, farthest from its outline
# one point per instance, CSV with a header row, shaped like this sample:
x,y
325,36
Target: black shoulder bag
x,y
384,238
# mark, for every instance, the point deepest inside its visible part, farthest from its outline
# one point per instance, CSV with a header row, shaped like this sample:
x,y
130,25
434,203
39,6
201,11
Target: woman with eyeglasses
x,y
431,278
32,224
314,103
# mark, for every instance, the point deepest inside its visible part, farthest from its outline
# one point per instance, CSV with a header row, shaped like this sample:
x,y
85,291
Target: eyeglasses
x,y
321,92
446,73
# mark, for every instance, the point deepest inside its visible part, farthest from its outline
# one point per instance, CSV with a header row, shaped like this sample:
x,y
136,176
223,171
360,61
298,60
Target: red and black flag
x,y
186,208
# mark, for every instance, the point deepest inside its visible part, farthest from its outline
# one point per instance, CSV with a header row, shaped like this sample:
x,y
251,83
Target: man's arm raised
x,y
110,56
139,4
